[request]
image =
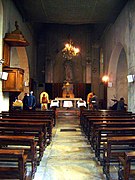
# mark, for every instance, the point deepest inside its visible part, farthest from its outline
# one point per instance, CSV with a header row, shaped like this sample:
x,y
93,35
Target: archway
x,y
117,72
19,59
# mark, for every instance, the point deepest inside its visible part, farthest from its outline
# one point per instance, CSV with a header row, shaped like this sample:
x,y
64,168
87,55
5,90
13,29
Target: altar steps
x,y
68,112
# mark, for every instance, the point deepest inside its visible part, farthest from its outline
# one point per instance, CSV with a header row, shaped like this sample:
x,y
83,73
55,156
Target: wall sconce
x,y
131,78
105,79
3,75
110,84
2,61
26,83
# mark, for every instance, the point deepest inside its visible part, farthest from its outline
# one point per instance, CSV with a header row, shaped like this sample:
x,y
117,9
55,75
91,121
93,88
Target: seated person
x,y
121,105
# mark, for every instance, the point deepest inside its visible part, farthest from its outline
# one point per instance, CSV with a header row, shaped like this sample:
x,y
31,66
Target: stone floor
x,y
69,156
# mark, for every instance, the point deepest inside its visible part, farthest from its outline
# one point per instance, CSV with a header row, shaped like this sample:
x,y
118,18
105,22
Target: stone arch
x,y
20,59
117,72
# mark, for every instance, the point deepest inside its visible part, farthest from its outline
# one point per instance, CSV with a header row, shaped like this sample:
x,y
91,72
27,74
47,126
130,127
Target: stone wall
x,y
119,37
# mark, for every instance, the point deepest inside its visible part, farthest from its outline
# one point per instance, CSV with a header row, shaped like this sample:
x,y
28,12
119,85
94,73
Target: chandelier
x,y
69,51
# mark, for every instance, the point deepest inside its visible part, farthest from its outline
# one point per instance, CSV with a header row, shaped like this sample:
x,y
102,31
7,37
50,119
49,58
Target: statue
x,y
44,100
68,90
68,71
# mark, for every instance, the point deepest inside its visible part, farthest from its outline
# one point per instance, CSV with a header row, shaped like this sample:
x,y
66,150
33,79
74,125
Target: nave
x,y
69,156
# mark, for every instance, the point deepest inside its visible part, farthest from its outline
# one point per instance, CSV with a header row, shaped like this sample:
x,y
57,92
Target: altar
x,y
68,99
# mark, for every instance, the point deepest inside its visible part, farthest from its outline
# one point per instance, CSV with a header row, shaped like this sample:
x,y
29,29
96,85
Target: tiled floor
x,y
69,156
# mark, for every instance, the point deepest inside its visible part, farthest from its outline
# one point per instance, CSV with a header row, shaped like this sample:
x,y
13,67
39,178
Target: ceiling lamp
x,y
69,51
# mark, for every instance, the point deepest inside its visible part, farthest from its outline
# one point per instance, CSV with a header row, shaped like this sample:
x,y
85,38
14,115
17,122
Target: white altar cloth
x,y
68,104
74,100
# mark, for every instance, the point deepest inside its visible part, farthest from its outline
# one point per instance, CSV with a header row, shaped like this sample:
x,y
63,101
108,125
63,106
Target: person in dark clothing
x,y
31,101
25,102
94,101
121,105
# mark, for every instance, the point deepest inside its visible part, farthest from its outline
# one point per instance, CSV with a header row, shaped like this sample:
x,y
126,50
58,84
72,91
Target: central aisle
x,y
68,157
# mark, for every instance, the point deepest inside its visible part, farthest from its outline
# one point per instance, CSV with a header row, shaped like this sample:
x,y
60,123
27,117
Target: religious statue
x,y
44,100
67,90
68,71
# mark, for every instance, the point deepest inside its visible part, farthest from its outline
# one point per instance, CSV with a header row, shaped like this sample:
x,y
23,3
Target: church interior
x,y
67,80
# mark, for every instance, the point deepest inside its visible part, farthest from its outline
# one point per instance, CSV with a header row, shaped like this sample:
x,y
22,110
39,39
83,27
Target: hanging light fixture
x,y
69,51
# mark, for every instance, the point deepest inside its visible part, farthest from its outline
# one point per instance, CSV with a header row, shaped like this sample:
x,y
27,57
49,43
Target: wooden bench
x,y
90,122
39,126
39,114
100,124
29,125
28,131
102,113
125,171
115,148
26,143
19,158
88,115
46,123
103,133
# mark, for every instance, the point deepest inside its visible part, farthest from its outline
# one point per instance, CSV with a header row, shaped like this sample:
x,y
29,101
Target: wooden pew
x,y
26,125
28,131
103,133
47,129
29,125
125,171
90,122
88,115
100,124
19,158
39,114
115,148
102,113
22,142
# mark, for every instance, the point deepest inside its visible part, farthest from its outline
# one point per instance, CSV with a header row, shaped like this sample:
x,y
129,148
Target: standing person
x,y
121,105
90,105
31,101
94,101
44,102
25,102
